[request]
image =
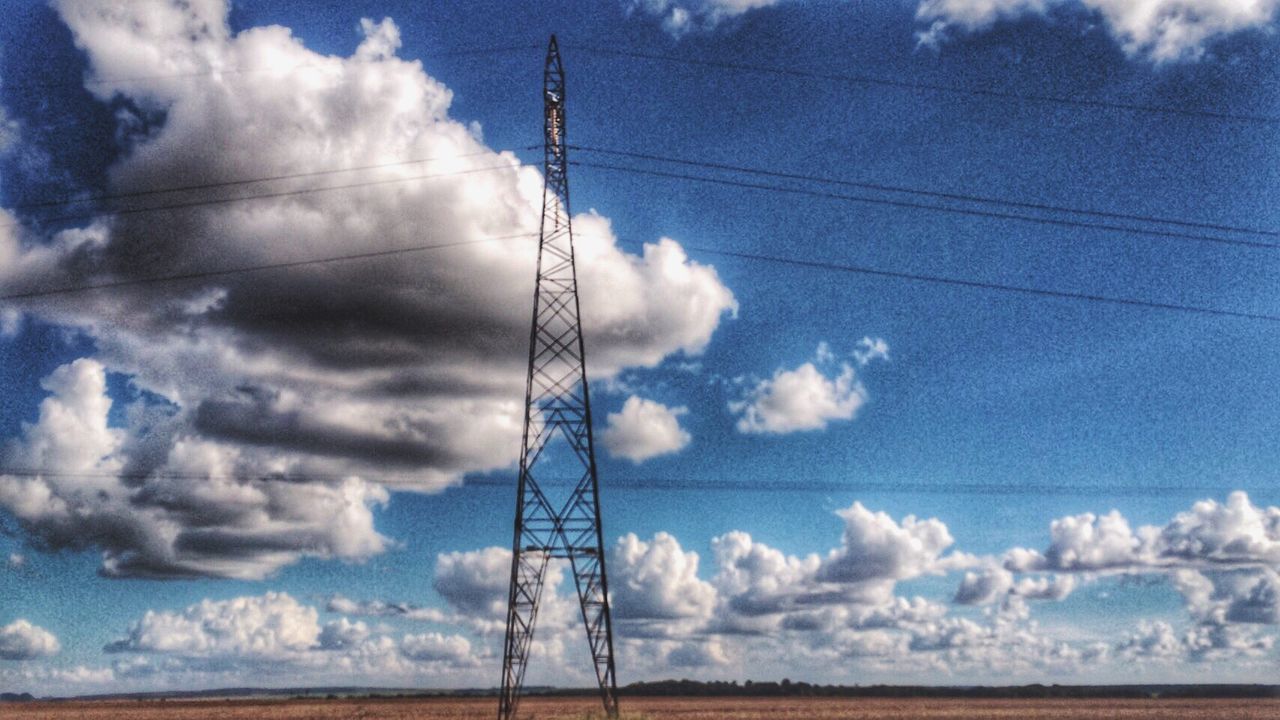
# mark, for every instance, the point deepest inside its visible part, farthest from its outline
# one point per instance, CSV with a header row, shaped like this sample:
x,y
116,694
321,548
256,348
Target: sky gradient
x,y
305,475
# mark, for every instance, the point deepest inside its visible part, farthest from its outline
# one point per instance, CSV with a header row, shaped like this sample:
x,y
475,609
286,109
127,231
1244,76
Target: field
x,y
650,709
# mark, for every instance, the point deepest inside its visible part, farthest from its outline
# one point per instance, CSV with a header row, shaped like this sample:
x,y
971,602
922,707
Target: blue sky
x,y
305,475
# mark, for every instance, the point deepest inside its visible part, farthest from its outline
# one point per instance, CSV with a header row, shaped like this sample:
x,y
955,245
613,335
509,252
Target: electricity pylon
x,y
557,404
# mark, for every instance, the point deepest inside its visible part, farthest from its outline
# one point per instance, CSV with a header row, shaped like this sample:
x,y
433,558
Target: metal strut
x,y
557,404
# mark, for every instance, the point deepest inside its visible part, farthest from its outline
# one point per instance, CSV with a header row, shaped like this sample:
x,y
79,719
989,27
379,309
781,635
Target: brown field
x,y
649,709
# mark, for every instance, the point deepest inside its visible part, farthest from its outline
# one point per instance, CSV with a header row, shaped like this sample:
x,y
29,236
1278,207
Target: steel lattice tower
x,y
557,404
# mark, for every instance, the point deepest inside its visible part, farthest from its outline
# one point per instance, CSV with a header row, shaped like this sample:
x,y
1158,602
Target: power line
x,y
667,484
1057,222
657,158
895,486
680,161
244,181
794,262
987,199
982,285
711,251
261,196
255,268
49,85
932,87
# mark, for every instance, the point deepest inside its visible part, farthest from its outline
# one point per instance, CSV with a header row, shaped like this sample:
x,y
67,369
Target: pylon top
x,y
553,55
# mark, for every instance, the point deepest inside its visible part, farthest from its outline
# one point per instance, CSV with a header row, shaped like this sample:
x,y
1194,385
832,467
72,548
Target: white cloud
x,y
1236,533
657,580
235,523
17,561
71,434
405,373
275,635
1257,599
1153,640
10,319
1250,596
475,585
342,634
1055,587
453,650
271,627
680,17
754,579
875,547
870,349
698,654
762,589
1160,30
1158,641
20,640
1089,542
993,583
381,40
475,582
1223,533
805,398
1221,557
41,680
645,429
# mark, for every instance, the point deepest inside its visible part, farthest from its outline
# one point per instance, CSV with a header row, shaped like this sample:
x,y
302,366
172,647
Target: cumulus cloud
x,y
680,17
1158,641
1006,641
234,524
698,654
40,679
875,547
1160,30
841,605
342,634
20,640
994,583
1249,596
920,637
1220,556
833,607
275,634
805,398
270,626
437,648
71,434
756,590
982,588
645,429
1236,533
1256,599
657,580
1055,587
475,582
336,379
762,588
756,580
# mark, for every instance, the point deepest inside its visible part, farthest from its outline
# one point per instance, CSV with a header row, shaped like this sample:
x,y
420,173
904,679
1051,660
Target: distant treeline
x,y
694,688
787,688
